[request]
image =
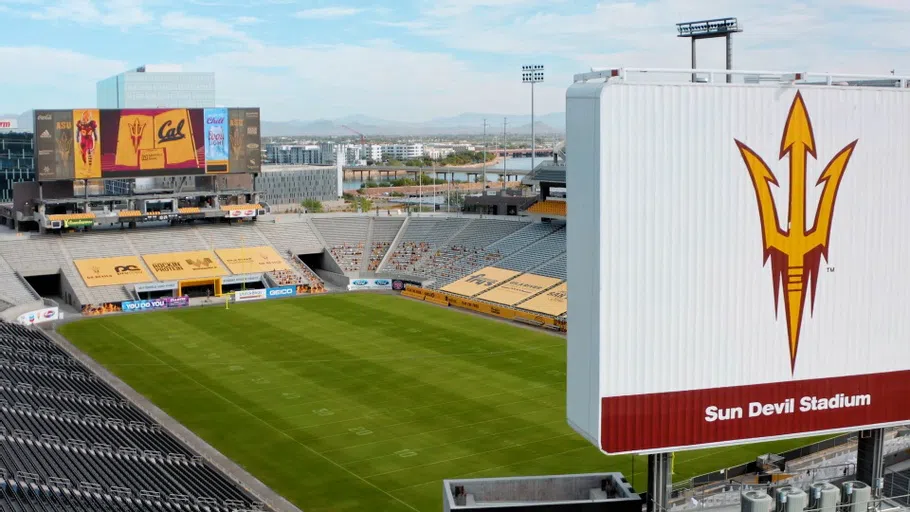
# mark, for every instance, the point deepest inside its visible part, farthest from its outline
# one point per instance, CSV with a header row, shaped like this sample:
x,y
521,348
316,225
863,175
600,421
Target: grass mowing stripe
x,y
264,422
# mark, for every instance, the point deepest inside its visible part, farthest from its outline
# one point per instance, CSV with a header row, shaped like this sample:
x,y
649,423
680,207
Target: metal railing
x,y
720,75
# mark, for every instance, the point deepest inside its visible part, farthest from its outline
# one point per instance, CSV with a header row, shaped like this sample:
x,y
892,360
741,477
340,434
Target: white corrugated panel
x,y
672,304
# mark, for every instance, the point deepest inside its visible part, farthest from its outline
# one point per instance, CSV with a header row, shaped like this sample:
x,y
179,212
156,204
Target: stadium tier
x,y
68,441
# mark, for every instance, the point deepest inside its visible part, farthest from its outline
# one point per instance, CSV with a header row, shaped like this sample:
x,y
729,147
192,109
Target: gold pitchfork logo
x,y
65,145
796,252
137,128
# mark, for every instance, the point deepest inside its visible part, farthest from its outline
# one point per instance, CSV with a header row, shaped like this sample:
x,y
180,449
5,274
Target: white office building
x,y
154,86
402,151
437,152
372,152
293,154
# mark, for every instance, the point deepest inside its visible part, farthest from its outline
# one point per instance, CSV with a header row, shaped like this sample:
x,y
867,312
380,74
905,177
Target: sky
x,y
414,60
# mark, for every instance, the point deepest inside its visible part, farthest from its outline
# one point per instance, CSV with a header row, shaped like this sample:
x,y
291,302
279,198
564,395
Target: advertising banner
x,y
553,302
54,155
240,279
518,289
130,143
9,123
241,214
156,287
87,144
184,265
248,295
252,259
39,316
131,306
401,284
112,271
245,141
279,292
169,141
480,281
370,284
216,145
78,223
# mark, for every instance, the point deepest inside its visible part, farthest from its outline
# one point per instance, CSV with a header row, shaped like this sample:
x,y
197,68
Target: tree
x,y
312,205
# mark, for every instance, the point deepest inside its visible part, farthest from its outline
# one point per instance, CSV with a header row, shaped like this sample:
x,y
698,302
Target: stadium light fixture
x,y
531,75
709,29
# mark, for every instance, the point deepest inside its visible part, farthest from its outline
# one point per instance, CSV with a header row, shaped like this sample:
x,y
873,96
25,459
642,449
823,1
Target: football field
x,y
365,401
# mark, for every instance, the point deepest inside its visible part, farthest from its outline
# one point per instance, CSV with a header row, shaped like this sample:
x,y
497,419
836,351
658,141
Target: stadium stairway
x,y
395,241
68,441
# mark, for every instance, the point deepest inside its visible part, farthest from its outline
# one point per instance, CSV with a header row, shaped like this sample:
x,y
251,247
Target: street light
x,y
532,75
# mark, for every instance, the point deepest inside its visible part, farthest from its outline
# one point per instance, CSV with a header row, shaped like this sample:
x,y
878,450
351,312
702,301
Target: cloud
x,y
281,80
195,29
247,20
120,13
325,13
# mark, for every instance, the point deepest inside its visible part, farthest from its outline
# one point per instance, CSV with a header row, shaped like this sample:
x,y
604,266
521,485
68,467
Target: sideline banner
x,y
110,271
39,316
130,306
518,289
179,266
370,284
280,292
249,295
553,302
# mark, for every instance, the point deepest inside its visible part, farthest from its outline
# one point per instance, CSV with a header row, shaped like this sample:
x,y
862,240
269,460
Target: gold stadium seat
x,y
129,213
227,208
188,209
71,216
549,207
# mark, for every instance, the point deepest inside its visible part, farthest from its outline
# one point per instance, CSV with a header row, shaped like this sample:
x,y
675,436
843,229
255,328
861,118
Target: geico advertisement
x,y
281,291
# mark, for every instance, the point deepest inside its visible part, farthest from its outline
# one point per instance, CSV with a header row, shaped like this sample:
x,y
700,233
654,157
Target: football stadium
x,y
197,351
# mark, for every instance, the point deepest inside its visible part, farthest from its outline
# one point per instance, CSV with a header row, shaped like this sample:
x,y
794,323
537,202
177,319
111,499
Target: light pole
x,y
483,188
531,75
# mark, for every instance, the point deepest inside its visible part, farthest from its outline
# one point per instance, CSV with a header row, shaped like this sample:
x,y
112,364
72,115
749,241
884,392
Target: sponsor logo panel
x,y
252,259
39,316
184,265
281,291
217,152
112,271
132,306
249,295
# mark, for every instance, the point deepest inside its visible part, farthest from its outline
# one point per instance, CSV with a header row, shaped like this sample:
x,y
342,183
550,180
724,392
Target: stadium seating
x,y
536,254
382,234
170,239
346,237
554,268
224,236
13,290
294,237
422,236
70,442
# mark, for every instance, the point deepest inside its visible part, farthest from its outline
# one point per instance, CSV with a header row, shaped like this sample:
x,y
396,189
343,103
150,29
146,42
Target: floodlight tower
x,y
531,75
710,29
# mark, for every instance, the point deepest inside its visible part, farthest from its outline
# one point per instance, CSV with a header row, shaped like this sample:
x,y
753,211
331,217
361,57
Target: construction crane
x,y
362,139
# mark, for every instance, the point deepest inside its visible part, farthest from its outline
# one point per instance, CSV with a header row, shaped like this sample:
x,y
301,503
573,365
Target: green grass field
x,y
364,401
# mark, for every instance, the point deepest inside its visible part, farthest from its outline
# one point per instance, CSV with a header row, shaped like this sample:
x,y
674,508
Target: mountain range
x,y
463,124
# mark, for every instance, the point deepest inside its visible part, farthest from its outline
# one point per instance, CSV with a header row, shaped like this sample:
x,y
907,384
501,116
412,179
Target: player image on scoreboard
x,y
87,144
217,154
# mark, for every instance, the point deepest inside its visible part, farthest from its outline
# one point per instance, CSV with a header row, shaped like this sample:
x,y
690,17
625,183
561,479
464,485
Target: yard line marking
x,y
470,455
264,422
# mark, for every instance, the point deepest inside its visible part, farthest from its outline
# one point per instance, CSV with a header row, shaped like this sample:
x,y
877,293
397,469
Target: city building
x,y
293,154
353,155
327,149
437,152
153,86
402,151
372,152
289,187
17,162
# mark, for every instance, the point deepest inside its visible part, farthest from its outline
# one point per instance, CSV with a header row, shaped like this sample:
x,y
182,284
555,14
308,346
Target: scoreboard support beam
x,y
870,452
660,482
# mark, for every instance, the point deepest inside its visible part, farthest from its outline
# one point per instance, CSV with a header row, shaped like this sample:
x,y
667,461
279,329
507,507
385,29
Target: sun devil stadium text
x,y
788,406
